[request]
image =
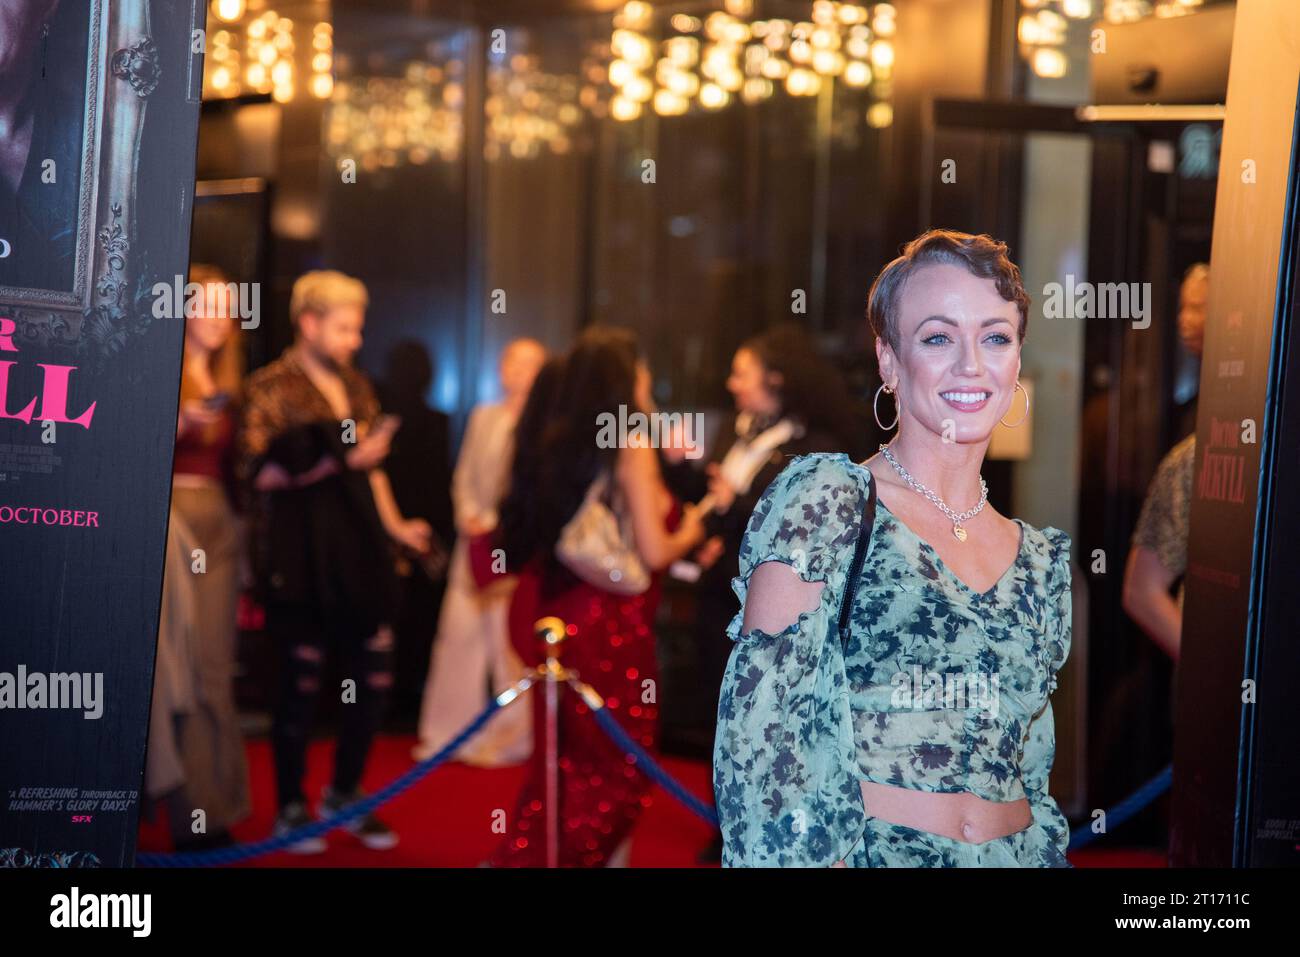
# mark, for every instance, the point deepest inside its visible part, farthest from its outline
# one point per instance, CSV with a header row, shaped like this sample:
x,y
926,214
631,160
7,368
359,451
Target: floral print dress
x,y
937,688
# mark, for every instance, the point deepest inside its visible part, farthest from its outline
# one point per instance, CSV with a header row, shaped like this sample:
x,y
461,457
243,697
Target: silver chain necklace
x,y
958,529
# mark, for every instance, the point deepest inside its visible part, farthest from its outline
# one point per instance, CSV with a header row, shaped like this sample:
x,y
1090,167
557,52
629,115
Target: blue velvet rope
x,y
243,852
1126,808
650,767
1130,806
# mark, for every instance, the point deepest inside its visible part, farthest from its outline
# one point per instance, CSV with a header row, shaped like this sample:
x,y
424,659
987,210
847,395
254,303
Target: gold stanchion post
x,y
553,632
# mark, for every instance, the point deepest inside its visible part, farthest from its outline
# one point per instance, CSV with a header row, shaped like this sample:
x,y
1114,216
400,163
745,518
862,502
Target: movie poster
x,y
99,107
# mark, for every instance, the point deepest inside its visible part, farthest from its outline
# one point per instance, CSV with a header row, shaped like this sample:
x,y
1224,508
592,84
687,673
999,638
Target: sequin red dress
x,y
602,793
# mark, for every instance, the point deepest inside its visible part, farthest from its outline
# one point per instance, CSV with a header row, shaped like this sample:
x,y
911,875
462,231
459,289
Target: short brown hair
x,y
982,255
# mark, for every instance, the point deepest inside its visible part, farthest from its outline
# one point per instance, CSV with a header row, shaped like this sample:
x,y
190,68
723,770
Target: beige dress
x,y
472,649
195,742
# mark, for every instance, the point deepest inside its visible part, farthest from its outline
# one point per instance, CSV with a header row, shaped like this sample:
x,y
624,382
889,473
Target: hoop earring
x,y
1021,420
874,412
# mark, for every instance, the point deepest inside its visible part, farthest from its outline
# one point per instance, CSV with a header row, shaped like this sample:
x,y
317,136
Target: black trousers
x,y
304,635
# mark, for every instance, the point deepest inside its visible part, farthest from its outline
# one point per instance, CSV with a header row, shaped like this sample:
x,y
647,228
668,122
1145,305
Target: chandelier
x,y
670,59
1044,24
1122,11
695,63
381,122
258,53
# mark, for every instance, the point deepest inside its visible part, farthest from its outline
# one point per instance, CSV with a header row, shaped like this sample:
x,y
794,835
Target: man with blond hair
x,y
312,445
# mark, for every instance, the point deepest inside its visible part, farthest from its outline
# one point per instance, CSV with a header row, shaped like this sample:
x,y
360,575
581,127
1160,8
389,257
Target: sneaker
x,y
292,817
368,829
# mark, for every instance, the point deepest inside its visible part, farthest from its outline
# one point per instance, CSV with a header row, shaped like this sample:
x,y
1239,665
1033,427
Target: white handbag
x,y
596,546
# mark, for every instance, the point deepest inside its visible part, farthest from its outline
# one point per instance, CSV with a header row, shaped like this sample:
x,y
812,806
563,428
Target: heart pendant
x,y
960,532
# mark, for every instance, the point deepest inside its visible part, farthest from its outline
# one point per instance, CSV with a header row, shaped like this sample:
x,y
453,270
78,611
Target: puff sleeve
x,y
1040,742
784,771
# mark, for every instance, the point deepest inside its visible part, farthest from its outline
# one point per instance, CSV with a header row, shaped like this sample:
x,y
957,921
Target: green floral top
x,y
938,688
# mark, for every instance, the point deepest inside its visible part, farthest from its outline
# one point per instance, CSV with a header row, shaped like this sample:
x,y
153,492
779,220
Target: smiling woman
x,y
816,762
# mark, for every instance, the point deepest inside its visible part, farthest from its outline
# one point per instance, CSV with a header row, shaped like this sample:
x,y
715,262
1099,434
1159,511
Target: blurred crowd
x,y
330,506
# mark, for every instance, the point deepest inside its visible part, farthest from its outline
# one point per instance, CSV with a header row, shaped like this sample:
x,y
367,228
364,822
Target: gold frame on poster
x,y
122,71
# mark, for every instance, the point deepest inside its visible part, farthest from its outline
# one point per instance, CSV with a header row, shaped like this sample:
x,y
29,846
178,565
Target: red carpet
x,y
446,819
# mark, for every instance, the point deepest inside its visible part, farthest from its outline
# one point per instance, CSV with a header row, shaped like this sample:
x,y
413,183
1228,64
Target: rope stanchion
x,y
1126,808
243,852
648,765
552,632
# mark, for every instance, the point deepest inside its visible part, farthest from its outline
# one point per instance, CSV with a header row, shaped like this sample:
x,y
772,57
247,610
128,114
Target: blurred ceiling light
x,y
1053,25
857,73
713,97
828,62
228,10
882,54
802,82
668,103
756,89
637,15
880,115
824,39
1049,62
683,51
1077,9
731,80
638,88
624,109
683,83
620,71
738,57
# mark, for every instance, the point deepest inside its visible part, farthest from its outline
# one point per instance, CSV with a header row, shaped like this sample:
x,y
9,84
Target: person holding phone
x,y
196,752
312,448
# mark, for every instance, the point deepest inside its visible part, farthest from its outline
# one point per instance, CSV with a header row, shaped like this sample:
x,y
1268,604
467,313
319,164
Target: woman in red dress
x,y
558,459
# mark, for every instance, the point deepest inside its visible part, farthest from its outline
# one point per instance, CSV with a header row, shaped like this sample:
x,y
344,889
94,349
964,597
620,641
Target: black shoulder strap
x,y
865,523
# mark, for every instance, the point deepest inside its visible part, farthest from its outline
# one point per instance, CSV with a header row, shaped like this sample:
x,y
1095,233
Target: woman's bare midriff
x,y
959,815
